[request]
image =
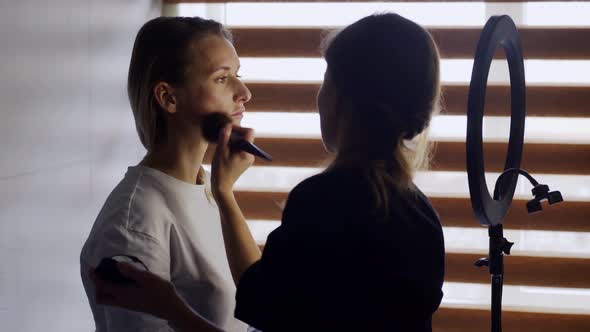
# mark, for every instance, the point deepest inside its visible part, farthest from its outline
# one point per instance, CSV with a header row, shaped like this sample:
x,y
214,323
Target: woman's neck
x,y
179,158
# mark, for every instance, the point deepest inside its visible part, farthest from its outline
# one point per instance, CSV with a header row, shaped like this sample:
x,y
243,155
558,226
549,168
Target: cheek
x,y
212,99
328,122
327,128
324,109
215,100
321,99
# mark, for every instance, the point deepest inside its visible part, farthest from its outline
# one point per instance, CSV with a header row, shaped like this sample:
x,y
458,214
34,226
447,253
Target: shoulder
x,y
149,210
341,189
333,181
138,205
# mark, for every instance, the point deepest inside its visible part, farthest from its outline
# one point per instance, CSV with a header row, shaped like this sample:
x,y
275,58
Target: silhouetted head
x,y
380,90
381,87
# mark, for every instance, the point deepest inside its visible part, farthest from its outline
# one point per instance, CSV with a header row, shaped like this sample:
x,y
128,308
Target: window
x,y
548,274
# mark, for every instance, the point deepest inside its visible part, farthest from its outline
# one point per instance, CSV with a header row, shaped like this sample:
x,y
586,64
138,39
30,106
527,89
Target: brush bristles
x,y
212,124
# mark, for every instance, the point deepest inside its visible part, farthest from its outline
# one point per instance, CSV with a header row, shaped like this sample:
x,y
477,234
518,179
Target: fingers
x,y
104,299
131,271
92,275
222,150
224,134
104,289
103,292
248,135
98,282
244,132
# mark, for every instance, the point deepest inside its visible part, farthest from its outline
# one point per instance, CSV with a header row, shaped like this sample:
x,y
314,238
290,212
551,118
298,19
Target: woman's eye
x,y
222,79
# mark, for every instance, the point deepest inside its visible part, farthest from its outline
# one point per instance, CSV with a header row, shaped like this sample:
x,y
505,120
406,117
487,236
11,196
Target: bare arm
x,y
227,166
153,295
240,245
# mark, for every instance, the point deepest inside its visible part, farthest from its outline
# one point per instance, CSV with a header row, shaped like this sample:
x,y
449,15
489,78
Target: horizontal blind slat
x,y
468,320
537,43
448,156
556,101
454,212
524,270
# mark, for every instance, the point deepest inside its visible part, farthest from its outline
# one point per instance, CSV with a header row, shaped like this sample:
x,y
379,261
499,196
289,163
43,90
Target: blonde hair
x,y
386,70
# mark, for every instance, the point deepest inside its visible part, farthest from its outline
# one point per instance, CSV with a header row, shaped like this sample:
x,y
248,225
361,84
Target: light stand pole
x,y
490,211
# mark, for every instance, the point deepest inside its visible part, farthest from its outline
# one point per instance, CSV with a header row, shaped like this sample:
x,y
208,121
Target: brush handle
x,y
238,143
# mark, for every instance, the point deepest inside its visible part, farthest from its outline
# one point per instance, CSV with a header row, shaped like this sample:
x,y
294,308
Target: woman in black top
x,y
359,248
333,265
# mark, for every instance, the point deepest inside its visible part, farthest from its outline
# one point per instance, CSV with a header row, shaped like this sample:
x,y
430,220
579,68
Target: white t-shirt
x,y
174,228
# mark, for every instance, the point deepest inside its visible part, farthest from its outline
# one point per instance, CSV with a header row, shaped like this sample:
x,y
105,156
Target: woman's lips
x,y
238,114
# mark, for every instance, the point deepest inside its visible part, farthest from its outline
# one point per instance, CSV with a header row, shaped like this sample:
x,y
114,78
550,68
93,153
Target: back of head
x,y
385,68
162,53
388,67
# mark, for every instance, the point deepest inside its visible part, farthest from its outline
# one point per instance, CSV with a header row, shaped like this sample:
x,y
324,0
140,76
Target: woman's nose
x,y
243,94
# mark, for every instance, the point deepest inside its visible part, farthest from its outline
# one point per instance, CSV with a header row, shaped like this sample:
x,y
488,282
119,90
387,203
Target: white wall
x,y
66,138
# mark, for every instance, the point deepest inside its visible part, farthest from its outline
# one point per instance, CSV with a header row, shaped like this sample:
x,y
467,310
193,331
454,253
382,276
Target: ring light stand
x,y
490,211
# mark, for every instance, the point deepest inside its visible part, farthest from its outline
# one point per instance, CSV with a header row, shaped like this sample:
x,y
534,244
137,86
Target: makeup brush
x,y
212,124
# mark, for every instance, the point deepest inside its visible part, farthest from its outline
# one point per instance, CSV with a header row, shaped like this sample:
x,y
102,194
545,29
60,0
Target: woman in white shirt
x,y
162,212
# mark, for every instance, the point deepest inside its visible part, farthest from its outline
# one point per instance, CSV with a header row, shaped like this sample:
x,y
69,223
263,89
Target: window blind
x,y
547,277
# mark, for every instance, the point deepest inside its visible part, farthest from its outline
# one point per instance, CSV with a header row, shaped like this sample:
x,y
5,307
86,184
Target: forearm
x,y
240,246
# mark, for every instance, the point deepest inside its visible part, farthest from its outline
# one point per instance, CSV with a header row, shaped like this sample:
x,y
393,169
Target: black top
x,y
332,266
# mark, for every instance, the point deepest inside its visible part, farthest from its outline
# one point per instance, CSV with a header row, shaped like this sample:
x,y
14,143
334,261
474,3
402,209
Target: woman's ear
x,y
165,97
